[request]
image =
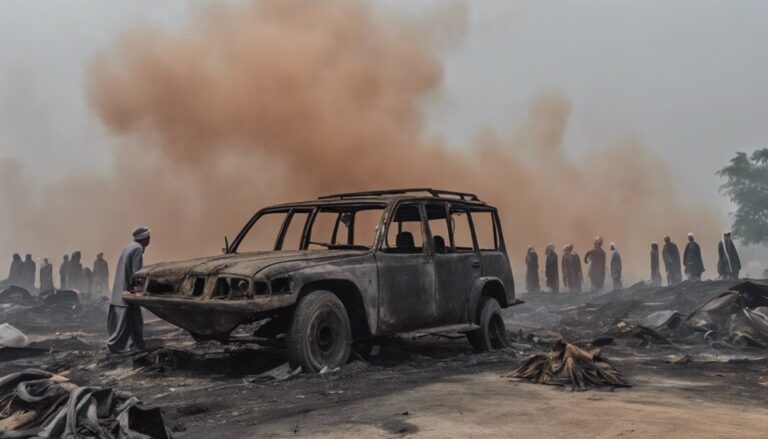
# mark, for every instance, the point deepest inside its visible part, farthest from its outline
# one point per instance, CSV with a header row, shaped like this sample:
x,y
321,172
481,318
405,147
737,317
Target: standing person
x,y
576,278
692,261
655,271
125,322
75,272
86,283
100,275
596,260
728,262
564,267
46,275
550,269
532,284
616,267
63,284
28,272
15,274
671,255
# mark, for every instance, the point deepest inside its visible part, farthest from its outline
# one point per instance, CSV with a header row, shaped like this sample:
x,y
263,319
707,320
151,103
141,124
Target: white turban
x,y
140,233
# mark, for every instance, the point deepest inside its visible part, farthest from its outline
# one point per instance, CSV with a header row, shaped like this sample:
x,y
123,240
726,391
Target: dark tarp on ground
x,y
35,403
739,315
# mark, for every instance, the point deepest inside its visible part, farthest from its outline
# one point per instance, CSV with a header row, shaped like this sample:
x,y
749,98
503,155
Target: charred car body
x,y
346,268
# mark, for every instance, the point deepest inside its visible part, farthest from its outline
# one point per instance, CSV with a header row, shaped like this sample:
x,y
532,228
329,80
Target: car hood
x,y
247,264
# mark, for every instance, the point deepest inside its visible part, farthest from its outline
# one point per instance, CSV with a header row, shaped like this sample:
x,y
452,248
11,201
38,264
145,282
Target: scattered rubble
x,y
570,365
35,403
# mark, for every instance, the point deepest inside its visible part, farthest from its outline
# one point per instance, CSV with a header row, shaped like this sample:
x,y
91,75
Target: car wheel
x,y
492,333
320,333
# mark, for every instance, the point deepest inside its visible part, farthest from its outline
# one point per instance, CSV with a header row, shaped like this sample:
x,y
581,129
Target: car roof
x,y
390,196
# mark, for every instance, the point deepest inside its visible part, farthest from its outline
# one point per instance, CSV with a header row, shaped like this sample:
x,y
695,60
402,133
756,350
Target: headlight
x,y
240,287
136,284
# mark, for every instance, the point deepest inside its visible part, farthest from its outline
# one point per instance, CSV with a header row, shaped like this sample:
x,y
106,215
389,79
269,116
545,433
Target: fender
x,y
497,291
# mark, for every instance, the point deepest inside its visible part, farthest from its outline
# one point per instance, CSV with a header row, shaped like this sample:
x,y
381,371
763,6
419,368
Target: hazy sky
x,y
687,78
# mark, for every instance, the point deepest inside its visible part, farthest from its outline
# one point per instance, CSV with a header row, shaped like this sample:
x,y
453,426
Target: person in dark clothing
x,y
125,322
15,274
532,283
564,267
63,284
728,262
100,275
692,261
75,272
596,260
551,270
28,272
616,267
655,271
86,283
671,255
575,276
46,275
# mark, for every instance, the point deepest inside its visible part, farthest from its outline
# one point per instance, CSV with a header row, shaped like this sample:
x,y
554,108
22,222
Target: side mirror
x,y
225,250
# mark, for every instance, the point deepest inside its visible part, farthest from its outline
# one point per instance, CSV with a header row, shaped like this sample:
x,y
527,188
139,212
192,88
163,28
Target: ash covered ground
x,y
690,382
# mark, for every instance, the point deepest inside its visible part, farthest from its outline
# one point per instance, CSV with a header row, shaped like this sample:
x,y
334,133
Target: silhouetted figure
x,y
28,272
692,261
532,284
86,283
564,268
671,255
596,260
15,274
46,275
616,267
655,270
728,262
100,275
551,270
125,322
575,276
63,269
75,272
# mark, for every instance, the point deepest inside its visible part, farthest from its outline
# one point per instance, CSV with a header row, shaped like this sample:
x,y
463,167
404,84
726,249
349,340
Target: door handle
x,y
476,264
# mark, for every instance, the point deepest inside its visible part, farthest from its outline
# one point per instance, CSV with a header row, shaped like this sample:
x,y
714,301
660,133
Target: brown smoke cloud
x,y
279,100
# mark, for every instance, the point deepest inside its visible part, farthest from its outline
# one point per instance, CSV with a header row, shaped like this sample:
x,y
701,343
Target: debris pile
x,y
738,316
35,403
568,364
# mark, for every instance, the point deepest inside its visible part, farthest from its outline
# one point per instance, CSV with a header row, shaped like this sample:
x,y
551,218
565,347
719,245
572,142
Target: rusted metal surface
x,y
384,289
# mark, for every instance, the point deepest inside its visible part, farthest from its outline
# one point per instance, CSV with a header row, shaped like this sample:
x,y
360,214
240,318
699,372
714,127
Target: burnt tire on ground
x,y
320,334
492,333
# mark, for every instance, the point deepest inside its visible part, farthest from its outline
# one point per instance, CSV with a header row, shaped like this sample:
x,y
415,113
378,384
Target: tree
x,y
747,187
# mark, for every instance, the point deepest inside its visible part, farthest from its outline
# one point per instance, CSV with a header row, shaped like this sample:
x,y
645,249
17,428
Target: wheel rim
x,y
324,343
497,332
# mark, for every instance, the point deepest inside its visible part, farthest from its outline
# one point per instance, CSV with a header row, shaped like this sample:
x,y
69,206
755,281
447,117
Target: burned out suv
x,y
346,268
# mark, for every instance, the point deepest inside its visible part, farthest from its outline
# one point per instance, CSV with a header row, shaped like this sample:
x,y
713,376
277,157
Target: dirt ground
x,y
428,387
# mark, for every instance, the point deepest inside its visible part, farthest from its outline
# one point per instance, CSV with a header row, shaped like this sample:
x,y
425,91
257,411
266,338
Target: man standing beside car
x,y
125,322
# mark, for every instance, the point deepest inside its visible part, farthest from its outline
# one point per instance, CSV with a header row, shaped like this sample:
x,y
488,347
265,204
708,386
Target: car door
x,y
490,242
406,272
457,262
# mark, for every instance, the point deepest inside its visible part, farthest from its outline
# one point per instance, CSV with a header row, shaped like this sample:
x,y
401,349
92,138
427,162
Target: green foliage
x,y
747,187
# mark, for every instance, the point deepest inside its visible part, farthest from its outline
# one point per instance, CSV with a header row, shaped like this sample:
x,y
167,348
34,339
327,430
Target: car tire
x,y
320,334
492,333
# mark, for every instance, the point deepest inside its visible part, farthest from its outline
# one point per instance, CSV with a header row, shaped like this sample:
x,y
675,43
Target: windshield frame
x,y
313,209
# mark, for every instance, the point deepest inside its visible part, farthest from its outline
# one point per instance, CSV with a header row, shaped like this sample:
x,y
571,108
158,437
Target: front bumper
x,y
208,317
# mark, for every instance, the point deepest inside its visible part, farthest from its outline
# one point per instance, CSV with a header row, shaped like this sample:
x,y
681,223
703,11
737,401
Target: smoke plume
x,y
278,100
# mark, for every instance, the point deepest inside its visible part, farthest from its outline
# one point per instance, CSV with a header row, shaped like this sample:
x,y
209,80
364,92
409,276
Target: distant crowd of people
x,y
72,274
728,265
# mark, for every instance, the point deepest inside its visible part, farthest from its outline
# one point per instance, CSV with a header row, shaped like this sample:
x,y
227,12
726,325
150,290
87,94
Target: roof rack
x,y
465,196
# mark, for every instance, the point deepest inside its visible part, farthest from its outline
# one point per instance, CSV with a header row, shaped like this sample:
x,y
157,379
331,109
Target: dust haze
x,y
281,100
